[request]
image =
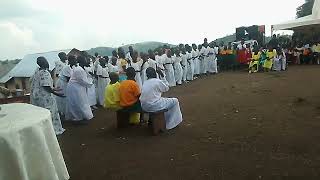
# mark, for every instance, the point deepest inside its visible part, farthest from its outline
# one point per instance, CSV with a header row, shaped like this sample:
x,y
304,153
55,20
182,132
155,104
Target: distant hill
x,y
103,51
145,46
141,47
226,39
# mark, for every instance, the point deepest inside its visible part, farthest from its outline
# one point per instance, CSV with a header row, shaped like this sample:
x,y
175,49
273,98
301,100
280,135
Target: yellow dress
x,y
269,61
229,51
112,97
255,60
112,102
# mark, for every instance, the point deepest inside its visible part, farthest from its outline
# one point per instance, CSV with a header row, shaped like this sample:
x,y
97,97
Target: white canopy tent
x,y
27,66
311,20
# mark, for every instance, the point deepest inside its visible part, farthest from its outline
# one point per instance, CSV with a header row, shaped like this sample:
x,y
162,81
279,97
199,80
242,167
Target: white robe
x,y
145,67
190,67
137,68
151,101
160,63
195,56
61,85
277,63
178,72
113,68
284,62
169,71
128,56
184,65
59,65
204,65
91,92
212,63
78,107
103,81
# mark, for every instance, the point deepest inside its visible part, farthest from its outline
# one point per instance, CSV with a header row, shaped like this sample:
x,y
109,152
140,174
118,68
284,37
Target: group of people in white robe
x,y
82,80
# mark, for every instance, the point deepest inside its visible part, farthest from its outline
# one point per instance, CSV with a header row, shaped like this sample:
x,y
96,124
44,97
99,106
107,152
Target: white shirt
x,y
113,68
177,59
152,63
159,60
79,75
95,64
66,72
204,51
189,56
183,59
59,65
216,50
102,71
241,46
137,65
128,56
152,90
194,53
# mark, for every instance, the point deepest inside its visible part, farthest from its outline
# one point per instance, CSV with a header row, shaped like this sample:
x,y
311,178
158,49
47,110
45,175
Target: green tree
x,y
305,9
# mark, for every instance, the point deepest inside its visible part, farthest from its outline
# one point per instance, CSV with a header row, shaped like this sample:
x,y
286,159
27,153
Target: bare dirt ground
x,y
236,126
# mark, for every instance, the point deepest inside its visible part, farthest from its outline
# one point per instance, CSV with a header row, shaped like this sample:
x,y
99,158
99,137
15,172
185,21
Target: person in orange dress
x,y
129,96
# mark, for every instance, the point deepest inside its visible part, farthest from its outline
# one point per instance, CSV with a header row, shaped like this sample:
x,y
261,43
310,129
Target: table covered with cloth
x,y
29,149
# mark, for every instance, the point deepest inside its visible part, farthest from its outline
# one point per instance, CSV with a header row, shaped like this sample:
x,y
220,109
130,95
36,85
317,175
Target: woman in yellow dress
x,y
254,63
271,53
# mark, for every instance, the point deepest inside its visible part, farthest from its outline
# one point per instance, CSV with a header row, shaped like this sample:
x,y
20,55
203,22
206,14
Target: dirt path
x,y
236,126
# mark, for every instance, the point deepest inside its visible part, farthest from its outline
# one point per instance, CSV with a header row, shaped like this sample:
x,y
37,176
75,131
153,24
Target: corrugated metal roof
x,y
27,66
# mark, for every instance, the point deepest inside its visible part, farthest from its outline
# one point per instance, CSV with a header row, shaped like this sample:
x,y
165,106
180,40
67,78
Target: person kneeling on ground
x,y
151,100
129,96
112,96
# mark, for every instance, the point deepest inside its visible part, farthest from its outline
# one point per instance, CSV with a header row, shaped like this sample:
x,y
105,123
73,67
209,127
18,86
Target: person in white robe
x,y
212,60
151,100
184,65
136,63
91,92
200,58
204,60
277,61
113,66
195,57
147,61
284,61
160,62
215,60
130,54
59,65
78,107
178,72
169,68
42,91
190,66
103,81
61,84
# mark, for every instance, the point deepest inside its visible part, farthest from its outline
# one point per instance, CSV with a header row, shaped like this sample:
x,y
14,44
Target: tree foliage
x,y
305,9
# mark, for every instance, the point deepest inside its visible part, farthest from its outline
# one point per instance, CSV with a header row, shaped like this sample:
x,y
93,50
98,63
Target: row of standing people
x,y
81,83
177,66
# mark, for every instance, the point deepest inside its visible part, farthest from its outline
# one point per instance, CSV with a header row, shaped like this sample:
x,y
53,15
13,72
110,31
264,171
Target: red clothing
x,y
242,56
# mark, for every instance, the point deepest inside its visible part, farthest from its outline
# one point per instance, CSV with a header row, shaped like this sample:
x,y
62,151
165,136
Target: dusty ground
x,y
236,126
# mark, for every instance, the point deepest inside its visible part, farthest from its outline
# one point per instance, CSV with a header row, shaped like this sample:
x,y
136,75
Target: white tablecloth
x,y
29,149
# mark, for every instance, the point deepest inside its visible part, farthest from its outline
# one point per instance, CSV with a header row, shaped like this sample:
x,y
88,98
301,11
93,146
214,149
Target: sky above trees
x,y
31,26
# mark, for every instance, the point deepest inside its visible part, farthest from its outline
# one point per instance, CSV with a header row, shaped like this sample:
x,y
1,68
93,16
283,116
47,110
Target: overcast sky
x,y
31,26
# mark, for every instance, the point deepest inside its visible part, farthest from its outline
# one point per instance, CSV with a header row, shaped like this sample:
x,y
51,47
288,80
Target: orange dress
x,y
129,93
